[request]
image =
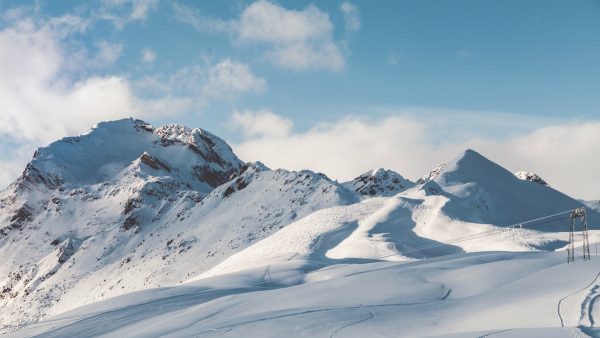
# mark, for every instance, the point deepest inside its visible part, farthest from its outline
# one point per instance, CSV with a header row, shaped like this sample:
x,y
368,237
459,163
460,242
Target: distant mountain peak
x,y
471,166
379,182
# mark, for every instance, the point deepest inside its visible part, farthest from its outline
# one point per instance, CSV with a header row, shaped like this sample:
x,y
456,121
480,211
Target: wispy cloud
x,y
351,16
121,12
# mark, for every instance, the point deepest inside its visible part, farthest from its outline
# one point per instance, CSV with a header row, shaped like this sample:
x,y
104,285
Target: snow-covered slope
x,y
464,295
126,207
379,182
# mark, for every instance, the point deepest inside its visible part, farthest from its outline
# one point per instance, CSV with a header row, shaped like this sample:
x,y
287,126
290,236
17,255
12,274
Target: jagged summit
x,y
529,176
197,157
379,182
432,174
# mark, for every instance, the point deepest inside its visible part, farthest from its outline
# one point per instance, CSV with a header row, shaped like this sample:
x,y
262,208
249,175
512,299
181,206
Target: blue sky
x,y
269,75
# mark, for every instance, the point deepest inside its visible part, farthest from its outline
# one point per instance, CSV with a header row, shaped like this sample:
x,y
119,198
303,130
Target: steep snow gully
x,y
132,230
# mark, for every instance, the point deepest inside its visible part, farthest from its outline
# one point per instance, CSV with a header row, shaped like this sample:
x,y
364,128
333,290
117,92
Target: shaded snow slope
x,y
464,295
379,182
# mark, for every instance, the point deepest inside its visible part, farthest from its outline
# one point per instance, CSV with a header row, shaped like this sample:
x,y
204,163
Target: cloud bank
x,y
561,154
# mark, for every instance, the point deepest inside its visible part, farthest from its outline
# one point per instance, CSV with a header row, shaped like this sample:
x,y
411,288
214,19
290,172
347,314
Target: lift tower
x,y
578,216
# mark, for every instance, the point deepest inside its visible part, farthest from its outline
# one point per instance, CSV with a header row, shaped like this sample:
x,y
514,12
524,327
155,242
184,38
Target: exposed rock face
x,y
67,249
432,174
154,162
529,176
379,182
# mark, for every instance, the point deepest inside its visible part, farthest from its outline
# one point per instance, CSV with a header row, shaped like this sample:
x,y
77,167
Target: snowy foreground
x,y
481,294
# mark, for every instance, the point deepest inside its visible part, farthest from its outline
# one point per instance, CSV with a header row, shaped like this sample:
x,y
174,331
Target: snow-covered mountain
x,y
468,196
128,207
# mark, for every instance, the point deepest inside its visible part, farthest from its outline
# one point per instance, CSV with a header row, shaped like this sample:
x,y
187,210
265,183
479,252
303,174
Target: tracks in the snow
x,y
371,315
586,306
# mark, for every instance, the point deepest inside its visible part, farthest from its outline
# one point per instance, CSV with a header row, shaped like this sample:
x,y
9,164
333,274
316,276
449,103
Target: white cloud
x,y
351,16
200,22
293,39
140,8
296,40
148,55
562,154
121,12
229,78
262,123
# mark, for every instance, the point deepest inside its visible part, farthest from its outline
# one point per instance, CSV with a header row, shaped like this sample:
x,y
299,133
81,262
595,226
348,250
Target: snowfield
x,y
131,230
463,295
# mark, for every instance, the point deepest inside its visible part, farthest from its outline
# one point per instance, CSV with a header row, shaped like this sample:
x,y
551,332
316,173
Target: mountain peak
x,y
110,147
471,166
471,155
379,182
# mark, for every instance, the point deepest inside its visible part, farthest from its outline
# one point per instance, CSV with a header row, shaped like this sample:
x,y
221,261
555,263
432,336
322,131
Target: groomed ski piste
x,y
470,250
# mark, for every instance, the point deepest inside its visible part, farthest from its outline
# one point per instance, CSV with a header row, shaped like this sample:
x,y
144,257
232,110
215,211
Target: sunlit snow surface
x,y
463,295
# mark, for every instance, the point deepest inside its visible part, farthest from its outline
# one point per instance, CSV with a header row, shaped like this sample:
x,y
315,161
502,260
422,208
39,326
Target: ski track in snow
x,y
370,316
119,318
587,307
494,332
562,321
230,327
